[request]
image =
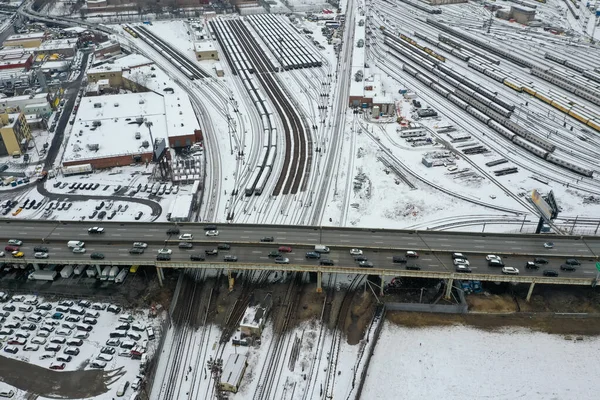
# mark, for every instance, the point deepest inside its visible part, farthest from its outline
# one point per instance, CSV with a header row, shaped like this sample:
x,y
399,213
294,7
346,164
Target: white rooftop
x,y
180,207
234,369
249,319
205,46
25,36
57,44
118,116
118,64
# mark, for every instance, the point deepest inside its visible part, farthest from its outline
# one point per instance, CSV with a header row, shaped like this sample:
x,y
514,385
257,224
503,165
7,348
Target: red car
x,y
58,365
285,249
11,248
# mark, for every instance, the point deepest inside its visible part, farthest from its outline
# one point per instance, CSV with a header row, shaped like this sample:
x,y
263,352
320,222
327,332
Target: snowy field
x,y
459,362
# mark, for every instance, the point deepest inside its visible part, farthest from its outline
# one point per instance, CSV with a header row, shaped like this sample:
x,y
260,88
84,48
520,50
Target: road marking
x,y
379,242
589,272
281,233
389,258
442,239
509,241
123,249
57,234
434,265
264,258
116,234
412,244
377,236
149,235
58,228
153,230
445,245
121,229
479,247
257,252
247,231
244,237
22,233
313,233
280,238
515,248
122,255
426,259
479,241
345,241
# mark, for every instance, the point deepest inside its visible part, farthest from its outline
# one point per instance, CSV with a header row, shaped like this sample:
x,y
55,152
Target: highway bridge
x,y
378,245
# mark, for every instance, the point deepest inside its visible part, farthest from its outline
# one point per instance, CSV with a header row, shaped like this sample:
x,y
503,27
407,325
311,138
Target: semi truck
x,y
112,274
66,272
43,275
105,272
79,269
121,276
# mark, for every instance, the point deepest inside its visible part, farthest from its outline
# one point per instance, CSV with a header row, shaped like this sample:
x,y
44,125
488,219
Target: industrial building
x,y
233,372
27,40
255,317
11,58
205,51
28,104
14,134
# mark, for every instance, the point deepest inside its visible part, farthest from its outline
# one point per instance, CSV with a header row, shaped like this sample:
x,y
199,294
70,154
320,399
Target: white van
x,y
319,248
75,243
122,389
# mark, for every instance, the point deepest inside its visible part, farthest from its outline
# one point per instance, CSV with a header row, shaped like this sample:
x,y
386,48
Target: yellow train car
x,y
543,98
513,85
579,117
529,90
434,54
593,124
560,106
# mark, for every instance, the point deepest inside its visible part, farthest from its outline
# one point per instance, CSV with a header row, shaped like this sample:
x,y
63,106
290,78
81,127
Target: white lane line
x,y
425,259
377,236
313,233
281,233
345,241
445,245
479,241
343,235
57,234
479,247
22,233
442,239
379,242
509,241
123,249
58,228
122,255
153,230
434,265
311,239
589,272
389,258
116,234
280,238
121,229
411,244
264,258
149,235
257,252
244,237
515,248
247,231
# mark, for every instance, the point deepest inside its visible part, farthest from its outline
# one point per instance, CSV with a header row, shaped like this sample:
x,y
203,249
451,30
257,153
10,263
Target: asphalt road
x,y
379,247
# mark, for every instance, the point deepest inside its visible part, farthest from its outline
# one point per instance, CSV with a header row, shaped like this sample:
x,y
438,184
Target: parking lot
x,y
75,349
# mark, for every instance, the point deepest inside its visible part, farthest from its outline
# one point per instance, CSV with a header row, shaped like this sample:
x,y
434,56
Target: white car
x,y
356,252
40,255
78,250
31,347
135,385
140,245
461,261
38,340
1,254
549,245
96,229
165,251
46,355
187,236
212,233
104,357
491,257
510,271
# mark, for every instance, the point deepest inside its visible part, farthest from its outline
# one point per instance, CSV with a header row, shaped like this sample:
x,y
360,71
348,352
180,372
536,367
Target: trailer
x,y
66,272
43,275
112,274
91,272
121,276
77,169
79,269
105,272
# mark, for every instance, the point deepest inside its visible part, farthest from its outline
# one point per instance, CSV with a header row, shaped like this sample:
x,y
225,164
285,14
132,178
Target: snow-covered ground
x,y
461,362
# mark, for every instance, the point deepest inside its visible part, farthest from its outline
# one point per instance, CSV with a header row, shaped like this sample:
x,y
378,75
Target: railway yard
x,y
380,114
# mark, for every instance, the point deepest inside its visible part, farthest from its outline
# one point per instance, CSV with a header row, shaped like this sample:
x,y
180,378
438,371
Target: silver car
x,y
78,250
40,255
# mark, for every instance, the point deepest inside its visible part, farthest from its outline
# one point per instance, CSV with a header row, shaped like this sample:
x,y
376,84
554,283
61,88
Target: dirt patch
x,y
567,299
492,303
310,304
541,323
56,384
359,317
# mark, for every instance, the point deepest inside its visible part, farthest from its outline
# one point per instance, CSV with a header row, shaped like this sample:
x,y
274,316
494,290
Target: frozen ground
x,y
459,362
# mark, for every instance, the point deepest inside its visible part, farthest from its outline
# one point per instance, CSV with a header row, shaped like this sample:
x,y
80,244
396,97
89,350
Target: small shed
x,y
234,370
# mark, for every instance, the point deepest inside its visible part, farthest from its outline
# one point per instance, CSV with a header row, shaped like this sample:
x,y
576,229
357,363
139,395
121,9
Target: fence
x,y
379,319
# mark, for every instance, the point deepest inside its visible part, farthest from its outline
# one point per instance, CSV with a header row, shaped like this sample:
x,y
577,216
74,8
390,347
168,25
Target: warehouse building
x,y
205,51
11,58
27,40
28,104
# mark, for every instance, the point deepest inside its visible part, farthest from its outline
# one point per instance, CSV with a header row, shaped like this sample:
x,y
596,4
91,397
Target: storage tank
x,y
66,272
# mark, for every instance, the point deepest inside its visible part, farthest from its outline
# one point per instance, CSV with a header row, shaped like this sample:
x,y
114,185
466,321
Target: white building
x,y
233,372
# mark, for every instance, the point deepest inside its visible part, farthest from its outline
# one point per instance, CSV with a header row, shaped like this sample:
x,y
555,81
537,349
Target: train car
x,y
249,189
262,181
273,137
543,98
513,85
529,90
424,79
560,106
569,165
501,130
532,148
444,92
460,55
478,114
494,75
458,101
271,156
540,142
594,124
554,58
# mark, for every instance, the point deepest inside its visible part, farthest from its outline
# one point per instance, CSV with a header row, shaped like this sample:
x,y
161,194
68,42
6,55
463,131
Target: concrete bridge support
x,y
382,277
36,266
449,283
530,292
161,276
319,282
98,270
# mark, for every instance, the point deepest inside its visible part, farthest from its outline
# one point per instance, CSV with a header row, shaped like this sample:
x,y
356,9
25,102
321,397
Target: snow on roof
x,y
58,44
180,207
181,118
204,46
358,61
234,369
25,36
76,29
119,64
55,64
42,97
118,116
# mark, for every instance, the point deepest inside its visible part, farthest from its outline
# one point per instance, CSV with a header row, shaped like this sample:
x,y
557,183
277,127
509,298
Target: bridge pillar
x,y
319,282
530,292
160,275
36,266
381,286
449,288
98,270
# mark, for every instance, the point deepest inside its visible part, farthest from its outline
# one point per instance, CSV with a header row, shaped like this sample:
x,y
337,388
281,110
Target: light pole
x,y
149,126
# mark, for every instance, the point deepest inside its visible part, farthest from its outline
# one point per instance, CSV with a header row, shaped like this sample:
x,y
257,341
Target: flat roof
x,y
234,369
118,115
181,206
41,97
57,44
204,46
119,64
25,36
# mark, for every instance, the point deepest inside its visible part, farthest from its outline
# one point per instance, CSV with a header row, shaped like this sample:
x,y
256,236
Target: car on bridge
x,y
550,272
165,251
230,258
15,242
356,252
412,254
18,254
572,261
223,246
136,250
313,254
196,257
463,269
173,231
510,271
140,245
491,257
1,254
366,264
360,258
97,256
187,236
285,249
40,249
326,261
163,257
399,260
413,267
79,250
549,245
461,261
531,265
40,255
568,267
212,252
539,260
267,239
212,233
274,254
96,229
282,260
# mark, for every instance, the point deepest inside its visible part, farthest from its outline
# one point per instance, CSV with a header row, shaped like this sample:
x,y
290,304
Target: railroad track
x,y
295,159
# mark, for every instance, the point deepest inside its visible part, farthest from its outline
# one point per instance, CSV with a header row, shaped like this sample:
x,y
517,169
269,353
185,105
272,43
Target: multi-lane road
x,y
379,246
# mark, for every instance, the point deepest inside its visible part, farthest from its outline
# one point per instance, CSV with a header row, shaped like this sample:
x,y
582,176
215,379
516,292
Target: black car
x,y
113,309
326,261
99,206
539,260
267,239
197,257
223,246
572,261
230,258
360,258
107,350
117,334
463,269
173,231
399,260
185,245
101,214
567,267
414,267
136,250
97,256
209,228
212,252
163,257
550,272
531,265
40,249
